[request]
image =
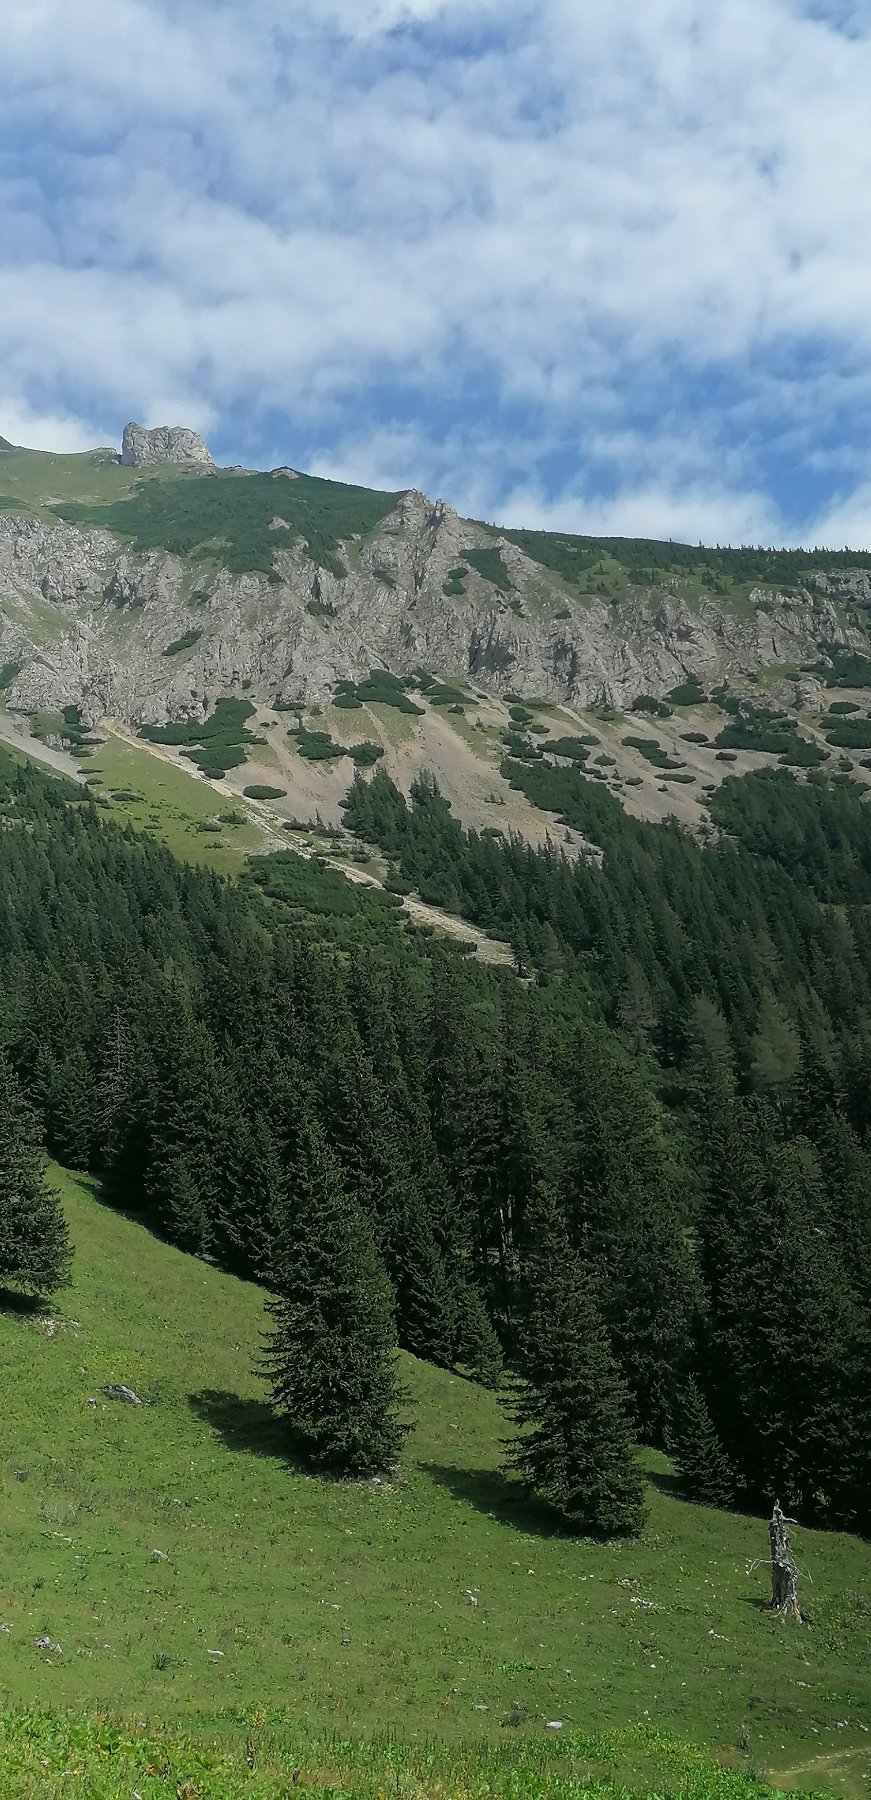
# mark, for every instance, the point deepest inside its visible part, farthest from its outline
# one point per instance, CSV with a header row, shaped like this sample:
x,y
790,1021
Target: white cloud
x,y
283,210
22,424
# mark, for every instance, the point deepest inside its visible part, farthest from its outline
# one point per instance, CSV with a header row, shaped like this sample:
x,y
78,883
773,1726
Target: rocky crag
x,y
150,634
141,449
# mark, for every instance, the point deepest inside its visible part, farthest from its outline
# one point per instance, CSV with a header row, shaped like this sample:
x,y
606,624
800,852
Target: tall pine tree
x,y
331,1356
575,1447
35,1251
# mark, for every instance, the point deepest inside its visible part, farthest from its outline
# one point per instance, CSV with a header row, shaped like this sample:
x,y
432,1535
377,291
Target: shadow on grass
x,y
23,1306
667,1483
95,1190
499,1497
250,1426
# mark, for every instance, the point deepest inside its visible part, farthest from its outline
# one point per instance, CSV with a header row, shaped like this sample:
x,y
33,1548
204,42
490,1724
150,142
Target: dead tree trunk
x,y
784,1574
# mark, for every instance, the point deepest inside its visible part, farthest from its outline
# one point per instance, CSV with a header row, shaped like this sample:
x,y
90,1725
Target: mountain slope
x,y
174,1556
145,592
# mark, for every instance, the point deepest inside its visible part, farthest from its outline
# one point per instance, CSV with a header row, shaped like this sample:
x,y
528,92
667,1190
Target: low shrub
x,y
183,643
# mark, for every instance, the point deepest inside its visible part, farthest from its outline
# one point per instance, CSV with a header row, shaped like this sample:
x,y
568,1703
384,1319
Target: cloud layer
x,y
597,267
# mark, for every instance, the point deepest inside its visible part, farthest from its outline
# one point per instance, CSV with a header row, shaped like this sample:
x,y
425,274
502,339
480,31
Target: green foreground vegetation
x,y
264,1758
186,1568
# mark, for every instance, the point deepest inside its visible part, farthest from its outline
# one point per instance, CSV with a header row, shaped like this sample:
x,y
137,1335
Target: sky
x,y
590,265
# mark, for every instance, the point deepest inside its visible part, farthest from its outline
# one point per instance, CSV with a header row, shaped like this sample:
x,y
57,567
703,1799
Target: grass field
x,y
38,478
262,1757
173,806
186,1569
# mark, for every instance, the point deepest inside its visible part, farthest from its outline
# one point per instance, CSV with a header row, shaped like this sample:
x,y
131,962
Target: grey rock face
x,y
141,449
89,622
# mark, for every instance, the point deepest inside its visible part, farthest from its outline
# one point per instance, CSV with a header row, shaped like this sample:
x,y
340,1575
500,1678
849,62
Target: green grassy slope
x,y
166,800
37,479
185,1568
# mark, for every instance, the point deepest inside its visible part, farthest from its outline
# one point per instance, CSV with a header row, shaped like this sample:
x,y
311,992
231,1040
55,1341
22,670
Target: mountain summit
x,y
142,449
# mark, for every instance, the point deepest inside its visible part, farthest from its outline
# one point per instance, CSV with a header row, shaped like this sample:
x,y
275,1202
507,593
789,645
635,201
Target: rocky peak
x,y
141,449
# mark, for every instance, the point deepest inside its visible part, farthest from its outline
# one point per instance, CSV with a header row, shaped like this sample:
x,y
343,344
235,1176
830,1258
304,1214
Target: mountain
x,y
145,584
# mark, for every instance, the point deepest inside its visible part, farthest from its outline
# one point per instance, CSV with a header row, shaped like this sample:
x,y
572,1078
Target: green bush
x,y
803,755
647,703
761,729
651,751
850,734
489,563
694,737
688,693
844,668
366,754
259,791
520,747
843,706
441,694
379,688
215,744
183,643
575,748
317,746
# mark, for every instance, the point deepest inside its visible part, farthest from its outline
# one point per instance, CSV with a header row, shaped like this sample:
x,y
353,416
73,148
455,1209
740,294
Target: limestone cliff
x,y
150,635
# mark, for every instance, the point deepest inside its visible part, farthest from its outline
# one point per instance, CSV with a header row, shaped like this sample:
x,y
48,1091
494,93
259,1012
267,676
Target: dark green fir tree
x,y
696,1451
35,1251
331,1354
574,1448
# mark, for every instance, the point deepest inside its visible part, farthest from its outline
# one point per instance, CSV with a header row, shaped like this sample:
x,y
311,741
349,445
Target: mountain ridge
x,y
281,585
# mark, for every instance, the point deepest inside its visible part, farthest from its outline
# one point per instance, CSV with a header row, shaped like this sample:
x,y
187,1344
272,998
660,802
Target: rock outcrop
x,y
141,449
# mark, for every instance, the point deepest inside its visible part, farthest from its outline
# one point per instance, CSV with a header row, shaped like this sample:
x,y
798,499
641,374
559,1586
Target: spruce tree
x,y
331,1355
479,1350
575,1446
696,1450
35,1251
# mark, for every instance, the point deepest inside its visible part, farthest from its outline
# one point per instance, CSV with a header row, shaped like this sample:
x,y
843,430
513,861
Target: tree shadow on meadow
x,y
22,1306
249,1426
500,1498
667,1483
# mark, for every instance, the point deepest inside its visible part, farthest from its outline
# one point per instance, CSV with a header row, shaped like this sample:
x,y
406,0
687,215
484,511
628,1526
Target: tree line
x,y
637,1182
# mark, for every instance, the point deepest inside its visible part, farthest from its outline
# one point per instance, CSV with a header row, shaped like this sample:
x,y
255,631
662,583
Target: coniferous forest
x,y
630,1180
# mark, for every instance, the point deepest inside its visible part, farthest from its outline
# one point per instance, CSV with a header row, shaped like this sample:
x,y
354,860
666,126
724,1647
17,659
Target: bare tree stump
x,y
784,1574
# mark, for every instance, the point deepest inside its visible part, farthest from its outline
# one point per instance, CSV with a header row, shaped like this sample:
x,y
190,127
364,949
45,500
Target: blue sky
x,y
590,264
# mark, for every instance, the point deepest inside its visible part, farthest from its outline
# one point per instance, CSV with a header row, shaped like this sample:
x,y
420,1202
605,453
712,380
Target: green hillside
x,y
184,1568
219,515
